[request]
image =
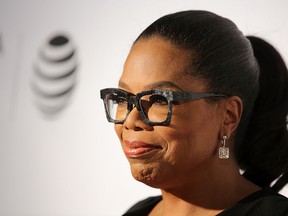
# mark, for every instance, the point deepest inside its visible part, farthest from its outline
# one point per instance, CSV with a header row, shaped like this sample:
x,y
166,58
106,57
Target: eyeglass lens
x,y
154,107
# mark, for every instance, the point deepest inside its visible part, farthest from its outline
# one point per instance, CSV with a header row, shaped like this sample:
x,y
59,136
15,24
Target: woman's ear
x,y
232,115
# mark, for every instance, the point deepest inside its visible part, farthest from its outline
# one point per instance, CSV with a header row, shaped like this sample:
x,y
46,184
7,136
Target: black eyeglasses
x,y
154,106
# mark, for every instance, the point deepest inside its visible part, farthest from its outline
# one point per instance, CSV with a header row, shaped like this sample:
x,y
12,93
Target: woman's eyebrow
x,y
122,84
163,84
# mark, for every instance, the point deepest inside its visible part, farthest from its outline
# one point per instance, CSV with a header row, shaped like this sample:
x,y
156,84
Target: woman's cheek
x,y
118,130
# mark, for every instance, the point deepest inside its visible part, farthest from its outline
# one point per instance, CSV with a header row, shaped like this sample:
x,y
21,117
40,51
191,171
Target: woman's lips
x,y
138,149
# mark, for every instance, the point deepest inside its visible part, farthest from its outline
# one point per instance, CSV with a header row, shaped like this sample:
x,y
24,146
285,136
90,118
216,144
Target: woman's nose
x,y
134,121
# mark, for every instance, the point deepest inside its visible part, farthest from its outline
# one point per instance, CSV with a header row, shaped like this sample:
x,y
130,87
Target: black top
x,y
261,203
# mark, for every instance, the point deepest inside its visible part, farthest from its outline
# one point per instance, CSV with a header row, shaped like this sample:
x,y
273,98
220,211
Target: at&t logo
x,y
54,76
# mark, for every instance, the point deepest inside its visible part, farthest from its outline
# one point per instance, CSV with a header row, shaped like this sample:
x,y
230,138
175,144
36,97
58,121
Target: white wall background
x,y
73,164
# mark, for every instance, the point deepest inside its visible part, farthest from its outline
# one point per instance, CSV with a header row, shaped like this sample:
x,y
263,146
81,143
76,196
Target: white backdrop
x,y
72,163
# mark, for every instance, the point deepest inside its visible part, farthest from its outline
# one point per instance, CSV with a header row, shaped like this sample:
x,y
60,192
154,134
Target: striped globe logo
x,y
55,75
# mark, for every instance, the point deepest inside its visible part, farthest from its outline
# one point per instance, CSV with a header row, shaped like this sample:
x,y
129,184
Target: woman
x,y
196,102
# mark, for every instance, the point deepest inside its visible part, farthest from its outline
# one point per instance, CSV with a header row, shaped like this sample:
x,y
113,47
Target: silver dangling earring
x,y
223,150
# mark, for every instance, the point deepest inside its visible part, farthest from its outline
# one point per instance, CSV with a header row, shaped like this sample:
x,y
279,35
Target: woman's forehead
x,y
157,63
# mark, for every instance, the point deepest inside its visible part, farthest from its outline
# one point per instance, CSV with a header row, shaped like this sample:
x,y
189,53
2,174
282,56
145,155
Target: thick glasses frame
x,y
171,96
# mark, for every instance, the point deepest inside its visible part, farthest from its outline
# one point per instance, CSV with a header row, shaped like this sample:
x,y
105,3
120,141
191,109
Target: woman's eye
x,y
121,100
158,100
118,100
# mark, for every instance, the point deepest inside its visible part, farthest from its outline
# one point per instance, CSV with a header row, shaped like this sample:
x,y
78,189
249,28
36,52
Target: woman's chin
x,y
147,174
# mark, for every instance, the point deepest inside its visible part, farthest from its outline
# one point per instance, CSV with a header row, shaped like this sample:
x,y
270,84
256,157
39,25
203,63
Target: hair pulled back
x,y
247,67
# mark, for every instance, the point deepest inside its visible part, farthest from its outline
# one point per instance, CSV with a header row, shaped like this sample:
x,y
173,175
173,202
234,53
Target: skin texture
x,y
184,161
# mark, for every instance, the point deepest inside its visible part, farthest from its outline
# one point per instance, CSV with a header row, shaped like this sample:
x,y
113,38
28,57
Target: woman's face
x,y
165,156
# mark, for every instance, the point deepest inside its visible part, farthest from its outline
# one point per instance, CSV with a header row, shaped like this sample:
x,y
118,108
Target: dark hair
x,y
247,67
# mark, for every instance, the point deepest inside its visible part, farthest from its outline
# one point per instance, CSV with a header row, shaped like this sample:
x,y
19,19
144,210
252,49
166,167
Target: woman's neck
x,y
208,193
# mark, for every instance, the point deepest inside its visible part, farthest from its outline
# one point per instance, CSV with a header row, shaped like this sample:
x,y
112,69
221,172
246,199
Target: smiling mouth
x,y
138,149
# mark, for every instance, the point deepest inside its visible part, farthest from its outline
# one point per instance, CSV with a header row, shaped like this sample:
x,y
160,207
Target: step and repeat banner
x,y
58,154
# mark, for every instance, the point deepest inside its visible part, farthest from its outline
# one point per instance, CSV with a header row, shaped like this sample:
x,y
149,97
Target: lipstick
x,y
137,149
